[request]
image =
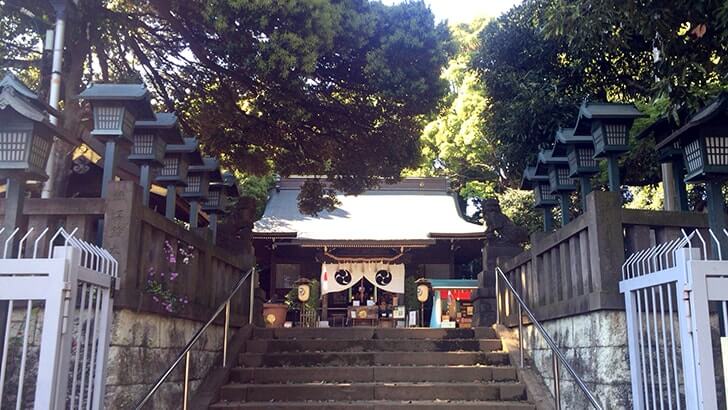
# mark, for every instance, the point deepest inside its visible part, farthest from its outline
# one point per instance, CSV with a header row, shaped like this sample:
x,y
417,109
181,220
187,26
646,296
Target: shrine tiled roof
x,y
417,209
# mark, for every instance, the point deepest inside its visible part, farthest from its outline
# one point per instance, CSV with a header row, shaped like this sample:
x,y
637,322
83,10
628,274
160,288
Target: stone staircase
x,y
366,368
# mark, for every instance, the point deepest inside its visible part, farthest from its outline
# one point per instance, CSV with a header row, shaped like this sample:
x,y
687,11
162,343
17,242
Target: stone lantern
x,y
197,188
609,125
579,150
26,134
704,144
177,159
116,109
543,197
669,155
560,182
149,146
218,200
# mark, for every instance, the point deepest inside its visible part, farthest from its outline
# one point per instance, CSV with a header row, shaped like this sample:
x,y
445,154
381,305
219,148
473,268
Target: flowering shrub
x,y
160,281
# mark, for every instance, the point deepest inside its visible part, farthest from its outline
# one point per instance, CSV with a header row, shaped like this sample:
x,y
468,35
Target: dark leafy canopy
x,y
335,88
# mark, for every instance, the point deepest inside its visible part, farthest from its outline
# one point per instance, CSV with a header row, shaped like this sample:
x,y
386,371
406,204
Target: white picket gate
x,y
670,291
56,321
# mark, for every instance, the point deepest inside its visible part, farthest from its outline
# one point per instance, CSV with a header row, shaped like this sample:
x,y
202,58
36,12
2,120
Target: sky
x,y
462,11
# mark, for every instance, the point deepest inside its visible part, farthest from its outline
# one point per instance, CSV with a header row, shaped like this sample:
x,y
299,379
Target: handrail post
x,y
187,381
252,298
520,334
557,384
225,336
497,299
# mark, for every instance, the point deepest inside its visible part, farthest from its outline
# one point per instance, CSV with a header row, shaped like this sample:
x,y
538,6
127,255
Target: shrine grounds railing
x,y
557,357
136,236
576,269
677,318
55,320
187,351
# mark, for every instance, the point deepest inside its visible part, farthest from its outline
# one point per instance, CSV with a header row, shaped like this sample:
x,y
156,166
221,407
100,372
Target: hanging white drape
x,y
336,277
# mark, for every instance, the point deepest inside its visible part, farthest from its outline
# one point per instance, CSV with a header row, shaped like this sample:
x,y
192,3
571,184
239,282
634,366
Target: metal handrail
x,y
188,348
556,354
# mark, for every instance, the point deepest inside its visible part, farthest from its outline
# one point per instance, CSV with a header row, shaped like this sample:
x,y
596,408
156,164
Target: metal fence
x,y
672,291
55,320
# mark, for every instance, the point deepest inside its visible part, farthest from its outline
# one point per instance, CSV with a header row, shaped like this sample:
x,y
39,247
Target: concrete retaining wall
x,y
143,345
595,344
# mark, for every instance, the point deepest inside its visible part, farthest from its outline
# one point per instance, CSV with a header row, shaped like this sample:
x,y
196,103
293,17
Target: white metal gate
x,y
668,291
55,321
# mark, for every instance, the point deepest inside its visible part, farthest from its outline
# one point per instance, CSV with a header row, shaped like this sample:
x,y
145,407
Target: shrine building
x,y
371,248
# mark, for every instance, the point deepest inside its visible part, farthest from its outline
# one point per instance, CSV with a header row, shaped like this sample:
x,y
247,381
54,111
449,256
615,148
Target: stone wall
x,y
595,344
143,345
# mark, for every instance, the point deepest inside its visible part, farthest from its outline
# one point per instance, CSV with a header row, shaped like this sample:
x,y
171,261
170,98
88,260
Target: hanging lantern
x,y
304,289
423,290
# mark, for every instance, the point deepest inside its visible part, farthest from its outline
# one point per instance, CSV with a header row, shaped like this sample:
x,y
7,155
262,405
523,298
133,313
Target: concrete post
x,y
145,180
613,172
15,198
194,213
171,204
584,191
716,214
548,219
564,201
678,174
109,166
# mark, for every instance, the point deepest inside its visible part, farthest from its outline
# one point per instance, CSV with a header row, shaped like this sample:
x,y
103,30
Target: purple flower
x,y
156,299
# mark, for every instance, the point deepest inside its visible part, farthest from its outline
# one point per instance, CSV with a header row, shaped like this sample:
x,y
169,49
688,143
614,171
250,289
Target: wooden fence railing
x,y
577,269
137,237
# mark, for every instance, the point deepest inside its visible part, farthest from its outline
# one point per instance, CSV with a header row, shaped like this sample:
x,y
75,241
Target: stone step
x,y
372,345
349,333
378,405
264,375
326,359
504,391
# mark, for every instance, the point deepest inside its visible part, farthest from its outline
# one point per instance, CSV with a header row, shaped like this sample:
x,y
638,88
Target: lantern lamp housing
x,y
541,187
177,159
579,150
199,178
609,125
151,138
116,108
557,169
704,142
659,131
25,130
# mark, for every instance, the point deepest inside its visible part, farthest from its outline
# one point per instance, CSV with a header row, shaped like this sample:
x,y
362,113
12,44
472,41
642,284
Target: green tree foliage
x,y
454,143
319,87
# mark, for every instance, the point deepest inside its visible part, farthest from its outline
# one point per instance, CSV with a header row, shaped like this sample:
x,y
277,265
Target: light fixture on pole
x,y
197,188
671,154
218,200
543,197
177,159
149,146
560,182
116,108
579,150
608,124
26,134
423,295
704,143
